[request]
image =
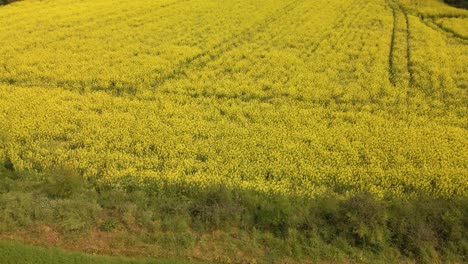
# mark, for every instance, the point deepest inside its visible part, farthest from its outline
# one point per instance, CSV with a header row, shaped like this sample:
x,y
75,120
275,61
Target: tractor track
x,y
200,60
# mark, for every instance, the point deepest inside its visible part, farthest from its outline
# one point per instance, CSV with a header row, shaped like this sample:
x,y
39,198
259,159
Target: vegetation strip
x,y
174,222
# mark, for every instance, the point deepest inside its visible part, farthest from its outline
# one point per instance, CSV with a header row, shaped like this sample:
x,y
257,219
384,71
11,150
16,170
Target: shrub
x,y
109,225
76,216
214,208
63,182
16,210
8,164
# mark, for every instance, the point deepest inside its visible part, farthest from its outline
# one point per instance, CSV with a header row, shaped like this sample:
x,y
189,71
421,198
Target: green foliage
x,y
16,210
426,229
365,221
8,164
109,224
277,213
76,215
214,207
63,183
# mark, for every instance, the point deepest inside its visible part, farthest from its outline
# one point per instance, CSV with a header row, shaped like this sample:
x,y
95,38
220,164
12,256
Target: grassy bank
x,y
59,208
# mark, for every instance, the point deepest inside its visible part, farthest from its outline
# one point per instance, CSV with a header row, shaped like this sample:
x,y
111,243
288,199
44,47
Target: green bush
x,y
214,208
364,221
63,183
16,210
109,225
76,216
8,164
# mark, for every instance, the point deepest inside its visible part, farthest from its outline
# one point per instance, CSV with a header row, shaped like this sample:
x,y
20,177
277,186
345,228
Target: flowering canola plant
x,y
293,97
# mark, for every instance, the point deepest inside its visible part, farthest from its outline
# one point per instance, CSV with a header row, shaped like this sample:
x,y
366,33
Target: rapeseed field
x,y
291,97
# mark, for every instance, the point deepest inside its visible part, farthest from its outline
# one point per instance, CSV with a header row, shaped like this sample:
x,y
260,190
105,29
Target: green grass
x,y
17,253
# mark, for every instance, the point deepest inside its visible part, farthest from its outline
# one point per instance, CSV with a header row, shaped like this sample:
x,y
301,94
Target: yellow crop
x,y
457,26
284,96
